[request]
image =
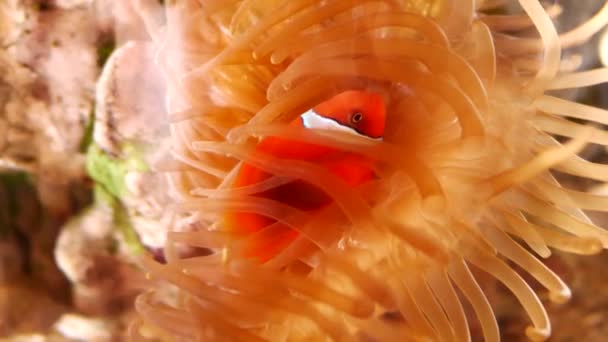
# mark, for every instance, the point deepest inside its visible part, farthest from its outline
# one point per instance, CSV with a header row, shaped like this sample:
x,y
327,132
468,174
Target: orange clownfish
x,y
355,111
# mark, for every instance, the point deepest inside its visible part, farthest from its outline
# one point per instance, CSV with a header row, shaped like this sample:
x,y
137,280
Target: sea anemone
x,y
463,179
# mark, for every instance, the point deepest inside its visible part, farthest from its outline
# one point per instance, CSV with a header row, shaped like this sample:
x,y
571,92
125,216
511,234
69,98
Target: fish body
x,y
357,112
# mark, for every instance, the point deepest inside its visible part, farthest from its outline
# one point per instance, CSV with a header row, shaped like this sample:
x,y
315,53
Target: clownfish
x,y
358,112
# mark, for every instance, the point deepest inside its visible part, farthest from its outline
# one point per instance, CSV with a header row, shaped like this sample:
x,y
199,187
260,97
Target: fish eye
x,y
356,117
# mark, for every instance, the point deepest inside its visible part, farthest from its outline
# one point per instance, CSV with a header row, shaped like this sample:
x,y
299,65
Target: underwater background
x,y
81,201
